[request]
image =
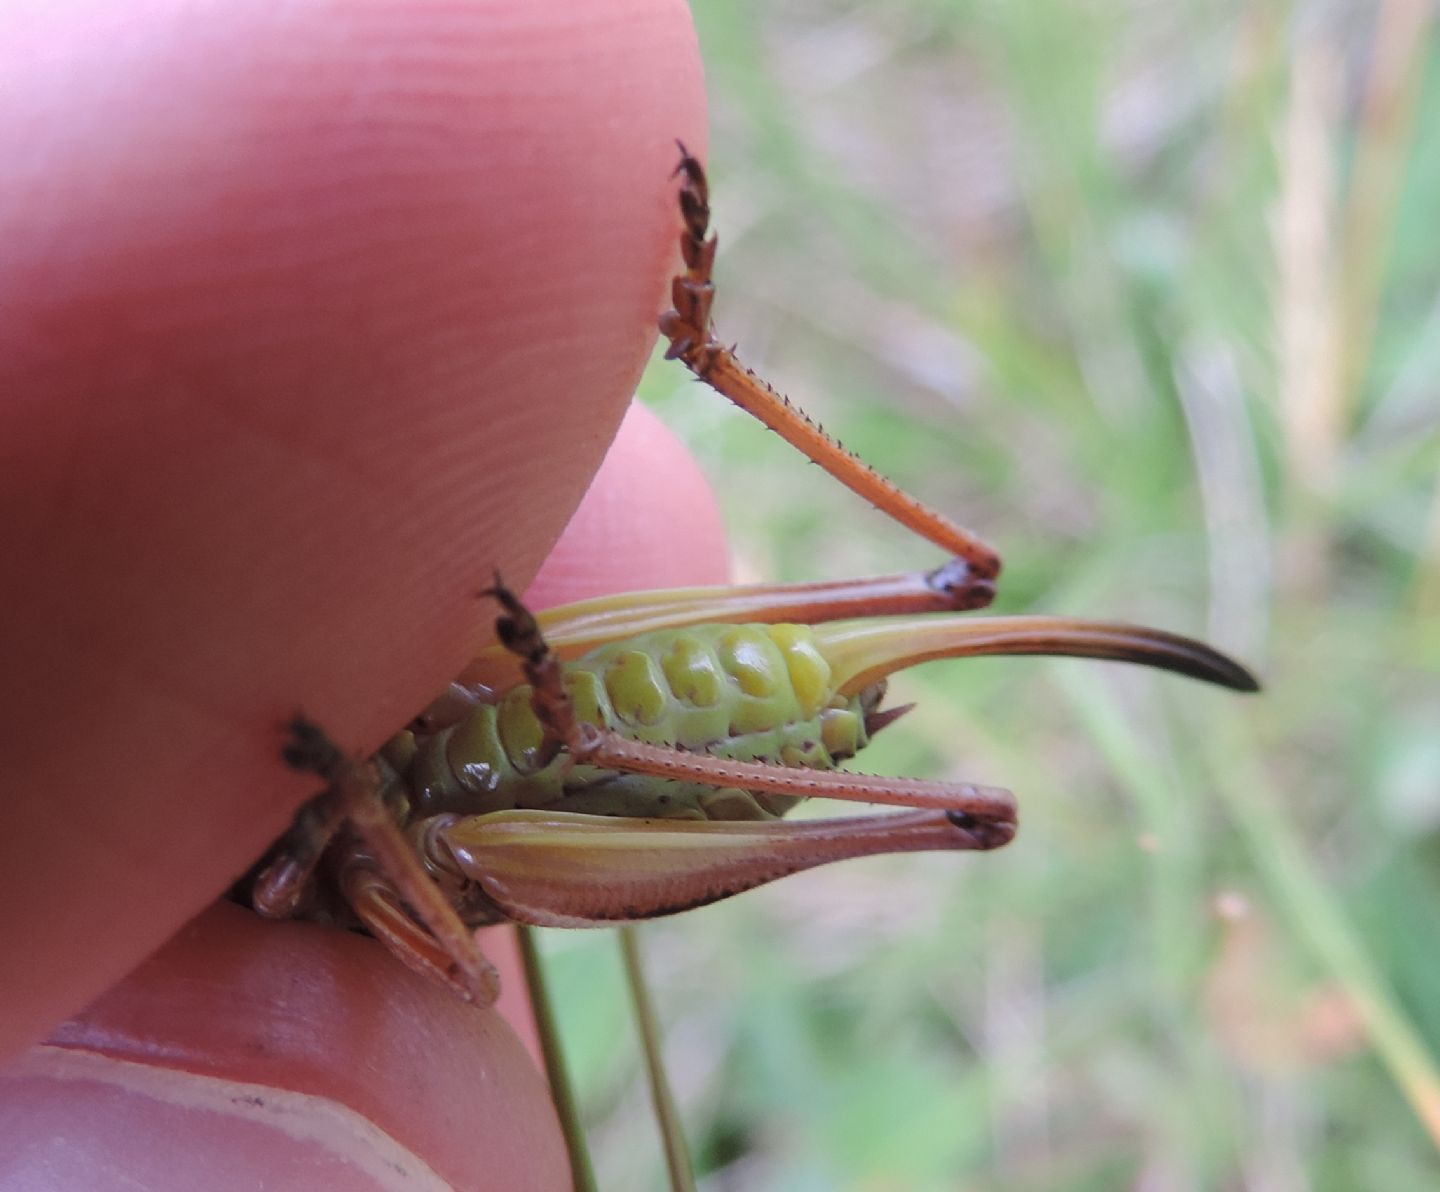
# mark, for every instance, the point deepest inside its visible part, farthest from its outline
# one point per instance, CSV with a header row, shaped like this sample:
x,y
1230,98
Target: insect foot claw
x,y
965,587
984,833
517,628
688,165
309,748
501,592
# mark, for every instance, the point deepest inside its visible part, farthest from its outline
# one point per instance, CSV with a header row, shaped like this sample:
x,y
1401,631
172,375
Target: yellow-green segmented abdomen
x,y
752,692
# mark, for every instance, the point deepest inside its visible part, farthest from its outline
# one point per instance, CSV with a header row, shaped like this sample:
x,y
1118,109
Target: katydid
x,y
630,757
648,775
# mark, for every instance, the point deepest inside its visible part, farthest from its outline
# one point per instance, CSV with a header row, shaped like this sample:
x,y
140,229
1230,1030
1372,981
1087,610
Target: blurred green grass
x,y
1148,295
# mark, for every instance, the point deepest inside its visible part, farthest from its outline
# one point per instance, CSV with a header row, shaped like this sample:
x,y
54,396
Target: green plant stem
x,y
561,1090
677,1154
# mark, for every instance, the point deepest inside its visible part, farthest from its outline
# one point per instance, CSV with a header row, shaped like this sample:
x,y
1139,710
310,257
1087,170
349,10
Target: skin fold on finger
x,y
316,313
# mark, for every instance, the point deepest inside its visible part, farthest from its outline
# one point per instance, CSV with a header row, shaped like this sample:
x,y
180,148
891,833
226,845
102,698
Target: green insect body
x,y
761,693
643,766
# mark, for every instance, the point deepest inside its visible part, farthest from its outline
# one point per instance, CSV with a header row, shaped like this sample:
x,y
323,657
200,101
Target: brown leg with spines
x,y
970,579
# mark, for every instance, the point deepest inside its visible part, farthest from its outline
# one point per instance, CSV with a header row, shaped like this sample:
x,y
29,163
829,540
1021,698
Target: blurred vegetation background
x,y
1148,294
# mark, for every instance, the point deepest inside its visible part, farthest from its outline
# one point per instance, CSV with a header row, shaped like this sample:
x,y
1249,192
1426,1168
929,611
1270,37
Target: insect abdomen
x,y
754,692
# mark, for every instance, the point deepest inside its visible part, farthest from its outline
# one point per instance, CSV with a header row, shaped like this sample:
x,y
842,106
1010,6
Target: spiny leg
x,y
356,798
687,327
986,814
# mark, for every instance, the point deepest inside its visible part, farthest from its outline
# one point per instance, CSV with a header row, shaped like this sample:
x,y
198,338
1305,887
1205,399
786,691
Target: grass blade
x,y
677,1153
561,1090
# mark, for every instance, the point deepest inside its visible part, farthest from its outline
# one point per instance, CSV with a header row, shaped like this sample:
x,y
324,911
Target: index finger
x,y
319,313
